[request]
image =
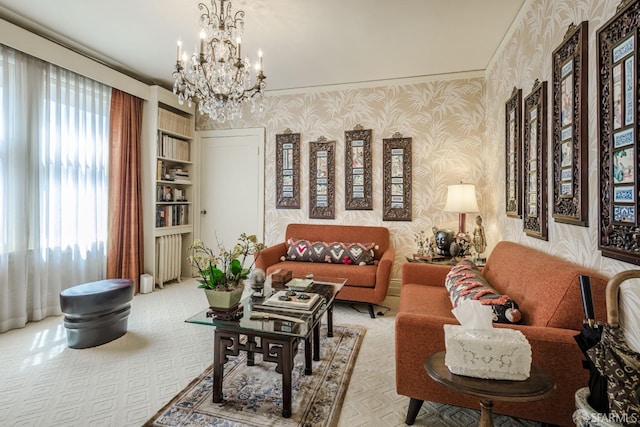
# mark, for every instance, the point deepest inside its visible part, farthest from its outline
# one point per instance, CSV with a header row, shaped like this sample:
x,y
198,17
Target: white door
x,y
231,185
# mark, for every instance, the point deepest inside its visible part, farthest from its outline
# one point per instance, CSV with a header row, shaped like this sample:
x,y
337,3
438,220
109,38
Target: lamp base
x,y
462,220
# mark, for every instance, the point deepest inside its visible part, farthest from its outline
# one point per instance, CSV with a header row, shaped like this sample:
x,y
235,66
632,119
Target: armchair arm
x,y
424,274
555,350
271,255
383,273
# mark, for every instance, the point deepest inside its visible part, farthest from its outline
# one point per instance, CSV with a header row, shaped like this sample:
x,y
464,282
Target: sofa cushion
x,y
465,282
430,301
341,233
330,252
546,287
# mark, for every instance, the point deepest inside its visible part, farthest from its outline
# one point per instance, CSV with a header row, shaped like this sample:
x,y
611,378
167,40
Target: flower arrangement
x,y
421,240
224,271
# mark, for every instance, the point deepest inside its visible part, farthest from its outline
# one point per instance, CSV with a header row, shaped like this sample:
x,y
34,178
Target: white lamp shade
x,y
461,198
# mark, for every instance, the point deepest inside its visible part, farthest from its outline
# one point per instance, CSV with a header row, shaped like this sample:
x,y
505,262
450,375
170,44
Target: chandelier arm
x,y
256,89
205,15
238,18
224,17
232,50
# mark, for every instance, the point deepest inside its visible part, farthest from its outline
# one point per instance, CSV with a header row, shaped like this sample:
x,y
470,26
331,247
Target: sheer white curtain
x,y
54,142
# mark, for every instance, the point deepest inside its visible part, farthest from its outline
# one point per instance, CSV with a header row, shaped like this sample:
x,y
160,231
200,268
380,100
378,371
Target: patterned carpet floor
x,y
125,382
253,394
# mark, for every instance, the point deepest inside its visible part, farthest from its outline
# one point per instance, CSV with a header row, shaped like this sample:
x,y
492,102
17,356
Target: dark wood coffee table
x,y
275,338
538,386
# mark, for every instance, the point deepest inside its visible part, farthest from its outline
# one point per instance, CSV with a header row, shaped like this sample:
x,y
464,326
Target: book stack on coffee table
x,y
290,301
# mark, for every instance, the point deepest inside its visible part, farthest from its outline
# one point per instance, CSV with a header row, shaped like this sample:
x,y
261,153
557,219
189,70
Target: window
x,y
54,145
54,133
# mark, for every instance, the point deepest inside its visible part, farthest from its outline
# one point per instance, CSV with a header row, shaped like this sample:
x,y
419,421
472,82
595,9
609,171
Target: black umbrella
x,y
616,361
587,339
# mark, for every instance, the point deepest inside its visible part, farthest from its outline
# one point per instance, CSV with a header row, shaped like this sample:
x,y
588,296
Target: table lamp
x,y
461,198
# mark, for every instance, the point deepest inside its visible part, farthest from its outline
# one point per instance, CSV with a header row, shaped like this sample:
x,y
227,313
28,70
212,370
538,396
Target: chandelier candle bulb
x,y
239,49
179,50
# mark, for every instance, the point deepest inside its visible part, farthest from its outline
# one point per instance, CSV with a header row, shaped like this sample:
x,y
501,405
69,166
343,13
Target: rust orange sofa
x,y
547,290
365,283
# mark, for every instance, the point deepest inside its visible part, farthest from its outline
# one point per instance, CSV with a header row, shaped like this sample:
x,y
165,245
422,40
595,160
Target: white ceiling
x,y
306,43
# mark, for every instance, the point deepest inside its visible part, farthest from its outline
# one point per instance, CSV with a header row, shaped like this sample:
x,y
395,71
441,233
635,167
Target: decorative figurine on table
x,y
256,280
444,237
479,239
464,241
422,242
431,247
454,250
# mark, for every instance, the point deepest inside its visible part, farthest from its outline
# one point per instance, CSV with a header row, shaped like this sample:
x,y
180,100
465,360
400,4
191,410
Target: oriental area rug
x,y
253,394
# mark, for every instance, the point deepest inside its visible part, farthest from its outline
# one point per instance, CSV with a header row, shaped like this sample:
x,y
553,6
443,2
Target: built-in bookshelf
x,y
168,186
173,170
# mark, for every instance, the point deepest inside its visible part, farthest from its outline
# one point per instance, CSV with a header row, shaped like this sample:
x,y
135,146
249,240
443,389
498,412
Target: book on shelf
x,y
166,193
173,148
173,122
172,215
178,174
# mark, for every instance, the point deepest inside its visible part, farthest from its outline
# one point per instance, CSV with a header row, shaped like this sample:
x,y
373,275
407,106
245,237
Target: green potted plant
x,y
222,274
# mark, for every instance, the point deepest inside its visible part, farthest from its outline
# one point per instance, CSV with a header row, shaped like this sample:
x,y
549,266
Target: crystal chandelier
x,y
216,76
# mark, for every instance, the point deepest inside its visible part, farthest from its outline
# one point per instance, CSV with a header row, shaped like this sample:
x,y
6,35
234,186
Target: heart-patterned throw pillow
x,y
331,252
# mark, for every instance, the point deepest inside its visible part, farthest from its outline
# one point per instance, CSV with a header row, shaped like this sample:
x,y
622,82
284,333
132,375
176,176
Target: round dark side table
x,y
538,386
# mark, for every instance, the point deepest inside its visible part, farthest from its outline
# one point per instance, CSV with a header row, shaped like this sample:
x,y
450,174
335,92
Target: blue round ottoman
x,y
97,312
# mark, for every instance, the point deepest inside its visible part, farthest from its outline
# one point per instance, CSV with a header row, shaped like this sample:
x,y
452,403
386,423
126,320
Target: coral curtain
x,y
125,253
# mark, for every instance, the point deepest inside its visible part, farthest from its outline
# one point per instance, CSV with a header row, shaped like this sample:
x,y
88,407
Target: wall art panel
x,y
357,165
322,172
288,170
570,128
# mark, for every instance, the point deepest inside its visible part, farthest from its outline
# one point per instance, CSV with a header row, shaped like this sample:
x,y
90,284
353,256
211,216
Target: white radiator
x,y
168,258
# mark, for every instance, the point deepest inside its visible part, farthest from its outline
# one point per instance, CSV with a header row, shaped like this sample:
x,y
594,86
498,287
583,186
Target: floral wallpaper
x,y
445,120
525,57
457,126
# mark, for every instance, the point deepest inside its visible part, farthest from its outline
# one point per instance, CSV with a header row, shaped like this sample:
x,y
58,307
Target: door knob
x,y
203,212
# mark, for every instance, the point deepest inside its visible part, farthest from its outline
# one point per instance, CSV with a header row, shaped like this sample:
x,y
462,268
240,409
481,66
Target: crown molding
x,y
463,75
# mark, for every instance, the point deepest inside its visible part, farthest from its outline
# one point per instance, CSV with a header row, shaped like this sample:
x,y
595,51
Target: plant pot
x,y
223,299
